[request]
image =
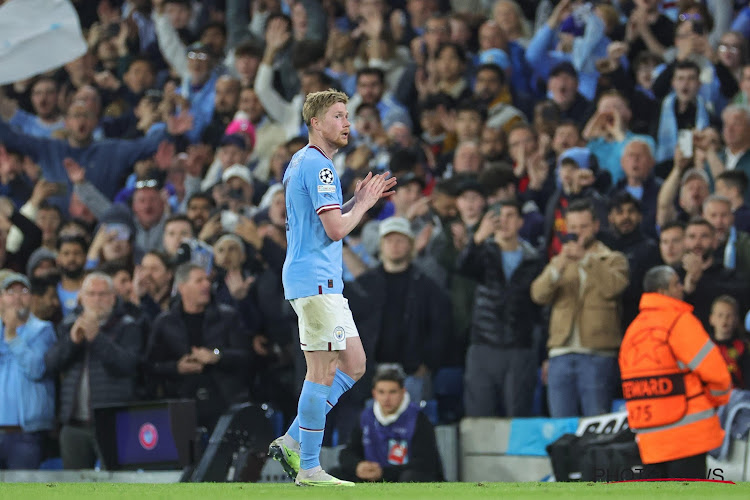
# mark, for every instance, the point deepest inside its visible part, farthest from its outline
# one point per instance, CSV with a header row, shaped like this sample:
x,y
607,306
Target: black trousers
x,y
693,467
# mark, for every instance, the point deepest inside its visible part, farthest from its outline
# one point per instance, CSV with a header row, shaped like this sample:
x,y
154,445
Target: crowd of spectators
x,y
548,153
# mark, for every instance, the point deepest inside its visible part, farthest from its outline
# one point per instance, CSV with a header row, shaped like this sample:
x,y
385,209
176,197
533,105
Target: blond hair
x,y
317,103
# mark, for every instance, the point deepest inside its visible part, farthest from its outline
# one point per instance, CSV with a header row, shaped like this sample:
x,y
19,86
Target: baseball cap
x,y
569,25
468,184
233,140
15,278
582,157
37,257
495,56
395,225
408,178
240,124
564,67
237,170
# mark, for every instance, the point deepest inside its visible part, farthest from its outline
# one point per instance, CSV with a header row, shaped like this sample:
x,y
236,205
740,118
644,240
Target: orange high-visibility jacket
x,y
673,379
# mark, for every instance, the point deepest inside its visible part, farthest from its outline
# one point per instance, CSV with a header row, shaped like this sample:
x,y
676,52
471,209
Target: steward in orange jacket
x,y
673,379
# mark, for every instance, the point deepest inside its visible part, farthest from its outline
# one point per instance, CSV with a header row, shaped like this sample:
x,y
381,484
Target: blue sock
x,y
312,422
341,383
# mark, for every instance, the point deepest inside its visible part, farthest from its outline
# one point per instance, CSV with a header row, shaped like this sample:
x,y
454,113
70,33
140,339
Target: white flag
x,y
36,36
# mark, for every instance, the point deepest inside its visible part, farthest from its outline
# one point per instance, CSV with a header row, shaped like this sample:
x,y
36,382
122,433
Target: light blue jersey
x,y
314,262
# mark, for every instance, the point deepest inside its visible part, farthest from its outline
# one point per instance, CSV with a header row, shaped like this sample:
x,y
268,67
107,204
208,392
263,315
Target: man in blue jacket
x,y
107,162
27,394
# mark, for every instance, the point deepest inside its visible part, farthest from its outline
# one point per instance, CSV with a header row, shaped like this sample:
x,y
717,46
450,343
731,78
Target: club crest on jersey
x,y
326,175
339,334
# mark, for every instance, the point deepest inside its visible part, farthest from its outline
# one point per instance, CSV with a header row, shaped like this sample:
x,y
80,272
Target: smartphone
x,y
229,220
685,142
569,237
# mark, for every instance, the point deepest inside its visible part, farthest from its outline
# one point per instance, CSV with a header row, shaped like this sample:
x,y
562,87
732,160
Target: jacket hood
x,y
660,301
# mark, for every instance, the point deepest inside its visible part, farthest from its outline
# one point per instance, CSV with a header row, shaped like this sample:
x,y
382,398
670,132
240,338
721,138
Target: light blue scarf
x,y
730,251
667,135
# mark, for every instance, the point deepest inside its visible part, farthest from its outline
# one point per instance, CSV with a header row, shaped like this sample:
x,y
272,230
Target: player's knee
x,y
359,367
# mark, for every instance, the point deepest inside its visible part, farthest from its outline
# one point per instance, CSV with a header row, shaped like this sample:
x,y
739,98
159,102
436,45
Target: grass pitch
x,y
434,491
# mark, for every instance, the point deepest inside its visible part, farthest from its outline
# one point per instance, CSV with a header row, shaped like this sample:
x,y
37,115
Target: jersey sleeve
x,y
324,187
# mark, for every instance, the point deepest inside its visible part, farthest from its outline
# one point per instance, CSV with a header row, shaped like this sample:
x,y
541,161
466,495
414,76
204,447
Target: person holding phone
x,y
682,111
583,286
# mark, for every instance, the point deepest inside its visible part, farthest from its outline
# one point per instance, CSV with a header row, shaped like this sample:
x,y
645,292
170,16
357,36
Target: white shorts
x,y
325,322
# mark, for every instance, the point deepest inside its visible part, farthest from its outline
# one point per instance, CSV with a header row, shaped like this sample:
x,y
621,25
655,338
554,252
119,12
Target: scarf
x,y
730,250
667,134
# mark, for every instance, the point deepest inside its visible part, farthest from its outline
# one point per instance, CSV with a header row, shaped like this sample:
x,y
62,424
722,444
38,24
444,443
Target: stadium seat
x,y
448,389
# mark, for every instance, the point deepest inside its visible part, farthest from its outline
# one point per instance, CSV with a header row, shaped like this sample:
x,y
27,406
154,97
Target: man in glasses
x,y
150,214
27,396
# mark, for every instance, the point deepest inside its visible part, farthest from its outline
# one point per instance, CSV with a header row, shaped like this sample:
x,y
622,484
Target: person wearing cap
x,y
97,356
520,72
501,364
576,177
42,262
561,42
27,392
403,314
233,150
489,91
689,187
394,440
238,190
704,276
408,195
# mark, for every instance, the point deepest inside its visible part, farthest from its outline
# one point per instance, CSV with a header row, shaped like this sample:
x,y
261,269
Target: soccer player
x,y
317,221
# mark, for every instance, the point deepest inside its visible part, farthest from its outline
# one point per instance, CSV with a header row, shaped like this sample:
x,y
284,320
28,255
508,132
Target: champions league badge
x,y
148,436
326,176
